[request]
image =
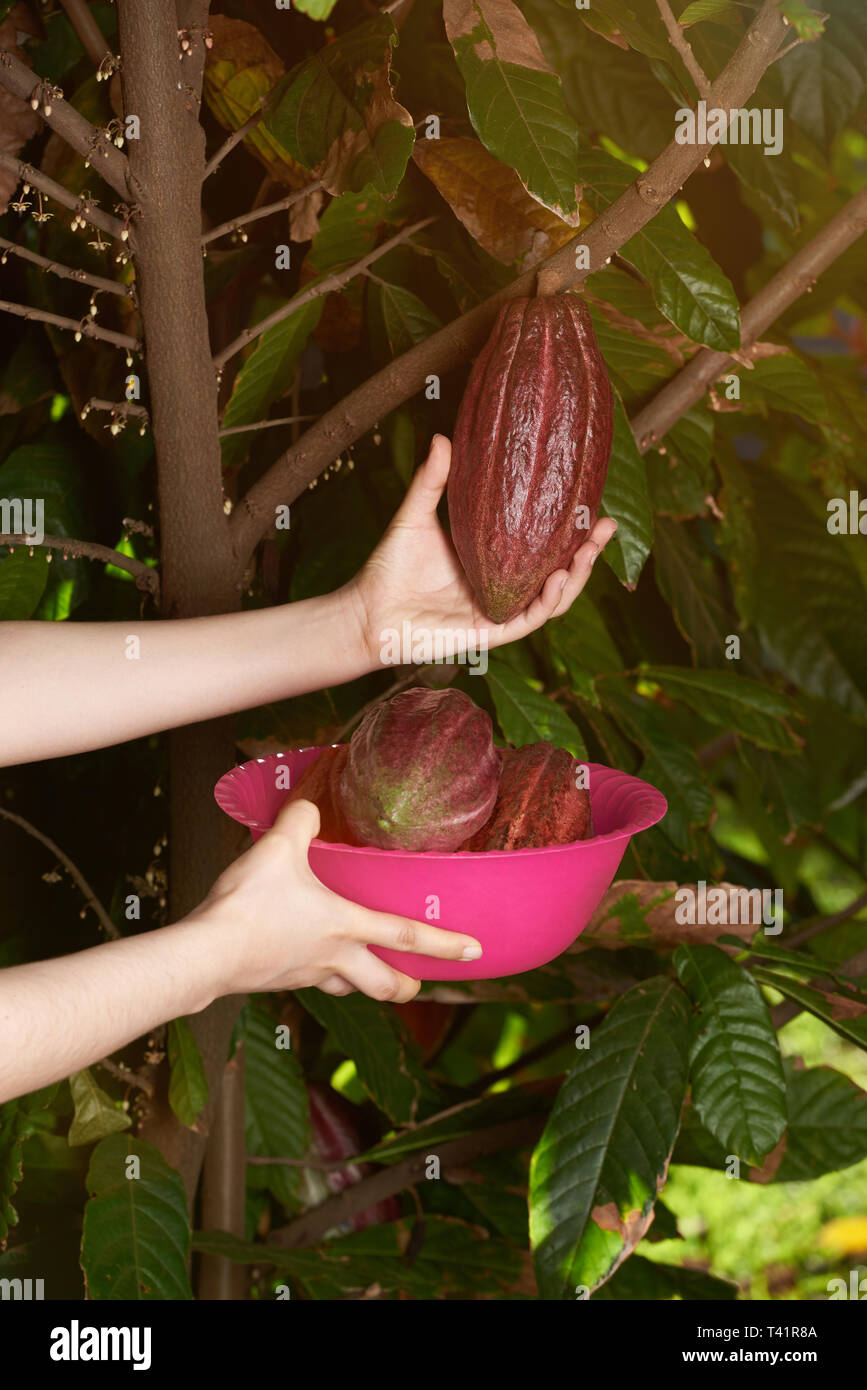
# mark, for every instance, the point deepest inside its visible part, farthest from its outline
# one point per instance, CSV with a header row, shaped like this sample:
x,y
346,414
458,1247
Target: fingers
x,y
428,484
376,979
403,934
582,563
298,822
335,984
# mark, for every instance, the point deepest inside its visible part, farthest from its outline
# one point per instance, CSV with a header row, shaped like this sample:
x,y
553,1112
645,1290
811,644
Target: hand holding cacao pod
x,y
531,449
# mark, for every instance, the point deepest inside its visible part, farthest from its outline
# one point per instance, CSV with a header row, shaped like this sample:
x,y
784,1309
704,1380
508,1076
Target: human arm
x,y
72,687
267,924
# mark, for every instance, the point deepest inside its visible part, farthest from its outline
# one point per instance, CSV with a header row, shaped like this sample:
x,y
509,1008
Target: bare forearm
x,y
59,1016
71,687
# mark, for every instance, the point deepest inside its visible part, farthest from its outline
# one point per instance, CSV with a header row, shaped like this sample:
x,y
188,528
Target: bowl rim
x,y
649,814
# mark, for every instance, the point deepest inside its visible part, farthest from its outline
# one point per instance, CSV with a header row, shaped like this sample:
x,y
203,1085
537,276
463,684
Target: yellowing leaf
x,y
490,200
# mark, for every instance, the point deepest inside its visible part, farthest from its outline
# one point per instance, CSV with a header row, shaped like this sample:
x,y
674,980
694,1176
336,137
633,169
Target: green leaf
x,y
640,1278
136,1238
515,101
689,584
784,382
627,500
526,716
314,9
824,81
347,231
23,578
827,1127
407,318
746,707
188,1086
389,1062
599,1166
582,643
738,1086
267,375
96,1114
462,1120
688,285
20,1119
841,1012
806,23
337,110
705,9
276,1110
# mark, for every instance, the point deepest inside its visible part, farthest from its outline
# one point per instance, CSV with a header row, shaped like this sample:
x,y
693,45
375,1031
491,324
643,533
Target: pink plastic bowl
x,y
525,906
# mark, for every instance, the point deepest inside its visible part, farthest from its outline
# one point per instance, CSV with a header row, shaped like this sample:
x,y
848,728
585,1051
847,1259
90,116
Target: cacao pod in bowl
x,y
530,452
524,906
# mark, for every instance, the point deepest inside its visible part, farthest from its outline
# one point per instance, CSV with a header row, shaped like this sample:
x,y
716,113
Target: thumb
x,y
428,484
298,822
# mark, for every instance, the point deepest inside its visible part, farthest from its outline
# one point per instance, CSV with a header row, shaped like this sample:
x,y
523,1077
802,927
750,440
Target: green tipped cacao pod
x,y
538,802
531,448
422,772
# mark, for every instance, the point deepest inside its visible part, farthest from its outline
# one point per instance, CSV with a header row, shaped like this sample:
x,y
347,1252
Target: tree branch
x,y
265,424
316,290
457,1153
65,121
86,208
119,408
85,327
681,44
238,135
795,278
66,272
89,33
145,576
81,883
287,478
258,213
825,923
129,1078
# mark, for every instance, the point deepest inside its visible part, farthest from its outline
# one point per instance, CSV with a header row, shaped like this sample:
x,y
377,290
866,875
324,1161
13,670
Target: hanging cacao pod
x,y
531,446
538,802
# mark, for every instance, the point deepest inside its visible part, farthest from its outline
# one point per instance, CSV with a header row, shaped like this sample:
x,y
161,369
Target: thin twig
x,y
116,408
67,272
258,213
145,576
65,121
90,898
89,33
681,44
825,923
129,1078
238,135
316,290
86,326
266,424
86,208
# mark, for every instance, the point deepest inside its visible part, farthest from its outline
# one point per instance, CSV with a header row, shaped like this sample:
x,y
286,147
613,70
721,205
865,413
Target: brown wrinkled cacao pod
x,y
422,772
531,446
321,785
537,804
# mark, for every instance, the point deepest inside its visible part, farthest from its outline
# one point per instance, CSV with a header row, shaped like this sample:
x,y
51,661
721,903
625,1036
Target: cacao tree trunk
x,y
166,166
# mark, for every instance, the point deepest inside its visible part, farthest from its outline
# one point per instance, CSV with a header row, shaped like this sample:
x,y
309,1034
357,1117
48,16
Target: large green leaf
x,y
627,500
267,375
603,1157
136,1238
20,1119
581,642
724,697
23,578
640,1278
690,586
407,318
337,111
825,80
688,285
515,101
847,1015
827,1127
738,1087
276,1111
96,1114
188,1085
526,716
389,1062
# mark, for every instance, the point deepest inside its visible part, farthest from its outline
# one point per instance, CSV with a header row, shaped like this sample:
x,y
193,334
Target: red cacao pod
x,y
320,784
422,772
336,1135
537,803
531,445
